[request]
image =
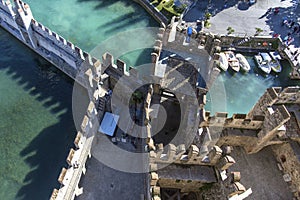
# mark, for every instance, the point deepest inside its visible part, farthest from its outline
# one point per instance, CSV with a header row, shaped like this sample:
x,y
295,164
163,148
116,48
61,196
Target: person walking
x,y
296,28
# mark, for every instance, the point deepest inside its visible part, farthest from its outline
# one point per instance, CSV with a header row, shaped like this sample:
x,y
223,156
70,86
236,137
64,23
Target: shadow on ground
x,y
275,22
213,7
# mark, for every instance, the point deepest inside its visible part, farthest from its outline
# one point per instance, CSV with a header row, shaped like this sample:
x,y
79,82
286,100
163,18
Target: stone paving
x,y
244,18
260,172
102,182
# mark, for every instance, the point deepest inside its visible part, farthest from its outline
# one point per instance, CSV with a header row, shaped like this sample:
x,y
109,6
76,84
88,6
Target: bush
x,y
207,24
207,15
230,30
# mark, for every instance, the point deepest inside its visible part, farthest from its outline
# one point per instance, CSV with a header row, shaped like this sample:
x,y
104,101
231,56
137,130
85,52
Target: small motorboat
x,y
262,63
232,61
275,64
223,61
243,62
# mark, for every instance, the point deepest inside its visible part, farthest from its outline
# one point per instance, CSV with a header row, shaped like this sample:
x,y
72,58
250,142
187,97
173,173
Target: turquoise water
x,y
237,93
89,23
36,122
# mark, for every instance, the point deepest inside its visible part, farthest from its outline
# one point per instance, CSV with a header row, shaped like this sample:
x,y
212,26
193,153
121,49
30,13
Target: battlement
x,y
23,7
7,7
63,44
238,121
191,156
69,177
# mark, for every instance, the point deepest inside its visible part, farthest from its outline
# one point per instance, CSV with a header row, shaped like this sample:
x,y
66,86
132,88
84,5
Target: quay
x,y
189,154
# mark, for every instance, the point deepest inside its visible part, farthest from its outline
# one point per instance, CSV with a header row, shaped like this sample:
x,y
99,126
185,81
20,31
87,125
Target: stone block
x,y
121,66
54,194
193,152
152,154
90,109
225,162
236,176
62,175
156,191
215,154
154,178
84,123
156,197
70,156
171,152
77,139
160,149
153,167
107,60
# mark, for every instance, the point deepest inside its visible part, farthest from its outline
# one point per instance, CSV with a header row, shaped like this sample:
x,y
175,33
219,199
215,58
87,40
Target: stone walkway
x,y
102,182
260,172
244,18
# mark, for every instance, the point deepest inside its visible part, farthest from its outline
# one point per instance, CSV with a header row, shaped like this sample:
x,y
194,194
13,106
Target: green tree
x,y
230,30
258,31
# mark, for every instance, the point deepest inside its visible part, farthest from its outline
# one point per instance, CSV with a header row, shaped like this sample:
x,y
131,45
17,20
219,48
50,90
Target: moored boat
x,y
223,61
262,63
232,61
243,62
275,64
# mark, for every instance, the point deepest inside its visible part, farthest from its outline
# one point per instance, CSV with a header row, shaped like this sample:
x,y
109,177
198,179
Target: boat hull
x,y
262,64
233,62
223,62
244,65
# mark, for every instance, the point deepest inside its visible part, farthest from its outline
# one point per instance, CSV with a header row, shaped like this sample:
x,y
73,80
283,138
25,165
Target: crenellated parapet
x,y
213,181
191,156
69,177
252,133
238,121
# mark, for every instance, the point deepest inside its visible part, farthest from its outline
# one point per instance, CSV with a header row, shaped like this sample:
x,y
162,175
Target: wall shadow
x,y
47,152
275,22
216,6
125,20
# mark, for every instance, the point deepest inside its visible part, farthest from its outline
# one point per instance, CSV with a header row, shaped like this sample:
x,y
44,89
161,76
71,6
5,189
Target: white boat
x,y
275,64
243,62
232,61
263,64
223,61
275,55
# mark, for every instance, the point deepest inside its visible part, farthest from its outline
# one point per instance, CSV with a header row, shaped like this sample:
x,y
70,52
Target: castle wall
x,y
7,20
17,19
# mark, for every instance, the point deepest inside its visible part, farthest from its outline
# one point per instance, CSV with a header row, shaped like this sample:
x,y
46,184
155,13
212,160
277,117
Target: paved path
x,y
102,182
244,18
260,172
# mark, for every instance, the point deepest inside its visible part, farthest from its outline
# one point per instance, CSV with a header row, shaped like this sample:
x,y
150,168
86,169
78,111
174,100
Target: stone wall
x,y
224,186
16,18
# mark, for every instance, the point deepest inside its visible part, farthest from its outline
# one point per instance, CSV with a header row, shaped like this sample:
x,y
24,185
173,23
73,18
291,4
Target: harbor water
x,y
36,122
238,92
